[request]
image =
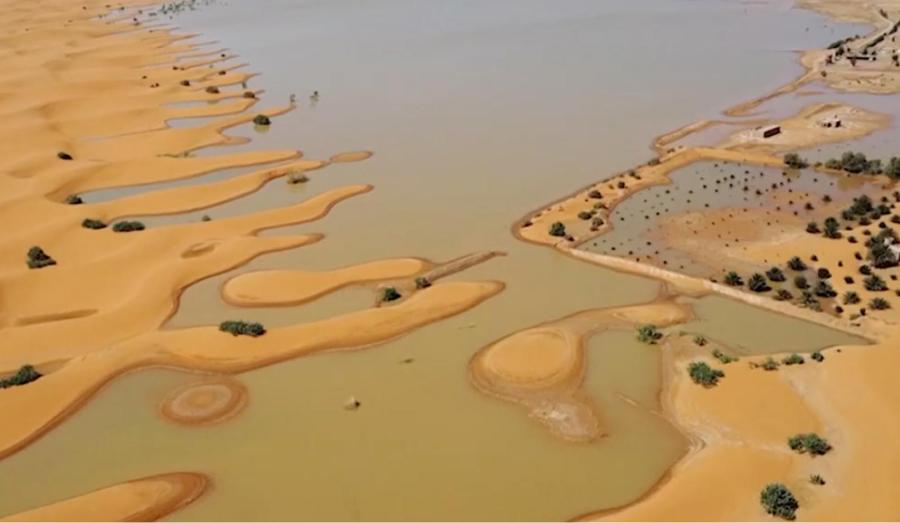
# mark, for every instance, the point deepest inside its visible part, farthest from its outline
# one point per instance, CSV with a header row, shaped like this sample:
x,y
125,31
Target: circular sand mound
x,y
206,402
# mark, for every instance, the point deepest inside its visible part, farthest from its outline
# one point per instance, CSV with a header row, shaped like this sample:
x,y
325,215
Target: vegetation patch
x,y
794,161
779,501
390,294
25,375
703,374
793,359
90,223
557,229
810,443
262,119
649,334
242,328
73,199
128,226
38,259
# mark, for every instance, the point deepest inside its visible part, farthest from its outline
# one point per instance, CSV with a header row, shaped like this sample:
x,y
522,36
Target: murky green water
x,y
478,112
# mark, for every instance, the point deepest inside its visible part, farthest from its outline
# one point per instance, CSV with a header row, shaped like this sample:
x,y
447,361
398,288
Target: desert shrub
x,y
653,161
874,283
733,279
809,443
242,328
62,155
823,273
879,304
649,334
723,358
557,229
595,194
801,282
783,295
585,215
817,356
861,205
262,119
90,223
775,274
794,161
700,340
769,364
757,283
73,199
185,83
832,228
779,501
865,270
127,226
796,264
295,178
38,259
249,94
390,294
816,479
703,374
823,289
813,228
851,298
25,375
212,89
881,254
793,359
422,282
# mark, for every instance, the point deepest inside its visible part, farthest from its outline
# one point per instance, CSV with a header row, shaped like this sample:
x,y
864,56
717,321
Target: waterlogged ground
x,y
476,112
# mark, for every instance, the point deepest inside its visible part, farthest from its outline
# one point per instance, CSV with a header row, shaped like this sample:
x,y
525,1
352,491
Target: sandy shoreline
x,y
740,427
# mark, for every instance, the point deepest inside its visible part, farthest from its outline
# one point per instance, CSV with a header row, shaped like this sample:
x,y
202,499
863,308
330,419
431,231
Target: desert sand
x,y
86,94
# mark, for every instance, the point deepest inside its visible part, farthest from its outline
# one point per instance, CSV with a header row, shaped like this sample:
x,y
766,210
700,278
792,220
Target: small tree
x,y
832,228
38,259
390,294
703,374
422,282
796,264
557,229
809,443
823,289
874,283
779,501
775,274
851,298
733,279
649,334
757,283
879,304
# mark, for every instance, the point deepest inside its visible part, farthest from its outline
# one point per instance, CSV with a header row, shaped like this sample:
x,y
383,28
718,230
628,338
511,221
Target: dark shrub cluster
x,y
73,199
26,374
703,374
242,328
390,294
90,223
649,334
262,119
38,259
779,501
128,226
809,443
557,229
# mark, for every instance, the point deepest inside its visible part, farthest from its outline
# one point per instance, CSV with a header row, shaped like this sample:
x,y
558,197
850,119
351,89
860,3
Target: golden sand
x,y
542,367
146,499
86,94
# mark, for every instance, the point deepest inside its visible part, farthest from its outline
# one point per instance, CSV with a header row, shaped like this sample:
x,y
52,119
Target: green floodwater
x,y
478,112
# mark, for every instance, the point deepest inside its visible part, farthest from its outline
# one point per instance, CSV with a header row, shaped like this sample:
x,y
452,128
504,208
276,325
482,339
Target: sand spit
x,y
296,287
85,100
146,499
205,403
542,367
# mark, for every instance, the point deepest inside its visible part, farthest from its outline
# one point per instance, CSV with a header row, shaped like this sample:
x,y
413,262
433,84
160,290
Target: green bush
x,y
700,340
585,215
38,259
801,283
422,282
90,223
851,298
25,375
242,328
794,161
874,283
769,364
703,374
816,479
823,289
793,359
127,226
784,295
390,294
809,443
757,283
796,264
733,279
557,229
649,334
779,501
832,228
813,228
775,274
262,119
817,356
723,358
74,199
879,304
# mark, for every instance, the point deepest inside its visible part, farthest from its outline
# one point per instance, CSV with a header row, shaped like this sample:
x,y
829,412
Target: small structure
x,y
772,131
